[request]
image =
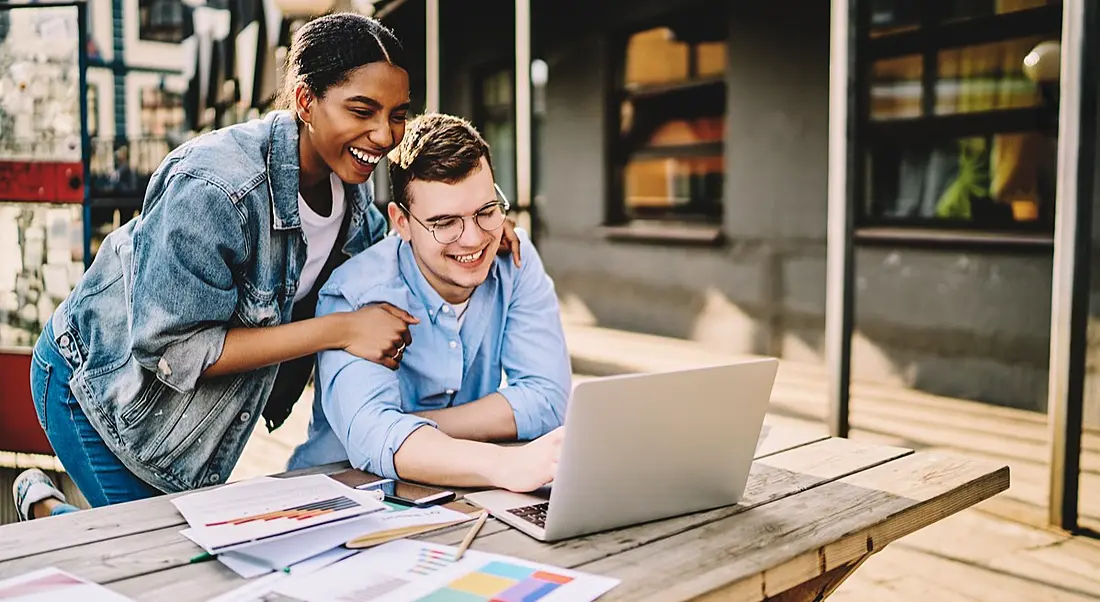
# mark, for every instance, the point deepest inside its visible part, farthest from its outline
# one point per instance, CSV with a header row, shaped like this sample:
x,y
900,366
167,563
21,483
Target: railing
x,y
121,168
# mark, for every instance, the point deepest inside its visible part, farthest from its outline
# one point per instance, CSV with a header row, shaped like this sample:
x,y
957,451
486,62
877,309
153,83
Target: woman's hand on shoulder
x,y
509,242
377,333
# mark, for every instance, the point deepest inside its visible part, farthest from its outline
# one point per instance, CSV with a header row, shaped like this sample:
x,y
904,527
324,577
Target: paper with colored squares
x,y
498,581
414,571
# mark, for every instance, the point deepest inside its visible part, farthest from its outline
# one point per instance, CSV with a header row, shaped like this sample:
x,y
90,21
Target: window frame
x,y
931,36
617,216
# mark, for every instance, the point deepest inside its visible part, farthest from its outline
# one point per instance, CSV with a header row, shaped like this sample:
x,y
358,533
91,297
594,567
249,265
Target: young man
x,y
437,414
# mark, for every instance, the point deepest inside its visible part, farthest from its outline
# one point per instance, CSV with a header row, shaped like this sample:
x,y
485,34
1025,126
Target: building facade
x,y
681,174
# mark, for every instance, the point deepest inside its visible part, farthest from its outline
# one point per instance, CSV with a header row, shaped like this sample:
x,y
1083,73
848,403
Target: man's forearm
x,y
487,419
431,456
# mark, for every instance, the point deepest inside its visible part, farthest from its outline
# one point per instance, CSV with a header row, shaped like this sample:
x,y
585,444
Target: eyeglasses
x,y
449,229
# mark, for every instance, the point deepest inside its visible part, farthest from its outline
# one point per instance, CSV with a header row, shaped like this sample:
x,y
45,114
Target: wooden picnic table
x,y
815,508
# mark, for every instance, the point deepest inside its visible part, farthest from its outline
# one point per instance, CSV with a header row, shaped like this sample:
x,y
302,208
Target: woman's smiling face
x,y
355,123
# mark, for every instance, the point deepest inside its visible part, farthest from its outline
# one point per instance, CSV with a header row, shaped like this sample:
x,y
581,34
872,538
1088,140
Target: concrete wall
x,y
966,324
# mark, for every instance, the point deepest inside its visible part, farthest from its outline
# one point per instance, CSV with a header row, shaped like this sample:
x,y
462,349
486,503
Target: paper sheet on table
x,y
54,585
407,570
245,568
247,513
256,590
261,558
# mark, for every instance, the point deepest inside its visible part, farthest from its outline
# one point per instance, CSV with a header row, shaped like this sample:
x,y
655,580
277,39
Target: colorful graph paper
x,y
429,561
302,512
499,582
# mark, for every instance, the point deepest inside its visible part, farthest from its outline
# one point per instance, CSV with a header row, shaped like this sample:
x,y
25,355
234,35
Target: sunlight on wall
x,y
722,325
575,311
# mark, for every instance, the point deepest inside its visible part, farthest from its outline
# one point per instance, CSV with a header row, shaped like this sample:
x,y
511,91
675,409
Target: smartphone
x,y
400,492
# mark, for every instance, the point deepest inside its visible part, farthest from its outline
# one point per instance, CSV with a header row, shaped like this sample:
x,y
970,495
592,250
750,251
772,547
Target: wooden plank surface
x,y
161,556
772,478
127,540
778,546
783,473
31,538
151,563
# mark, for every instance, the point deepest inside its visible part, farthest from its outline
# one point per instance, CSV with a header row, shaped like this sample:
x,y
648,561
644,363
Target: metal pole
x,y
85,141
1072,248
523,104
838,283
431,60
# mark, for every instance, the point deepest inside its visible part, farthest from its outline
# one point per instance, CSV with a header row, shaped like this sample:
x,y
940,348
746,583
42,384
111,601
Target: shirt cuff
x,y
382,465
182,363
526,414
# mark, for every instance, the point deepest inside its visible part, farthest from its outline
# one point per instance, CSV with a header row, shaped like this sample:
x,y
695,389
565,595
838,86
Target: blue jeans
x,y
100,475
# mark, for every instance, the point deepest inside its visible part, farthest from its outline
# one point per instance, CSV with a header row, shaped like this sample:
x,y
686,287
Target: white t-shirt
x,y
320,233
460,311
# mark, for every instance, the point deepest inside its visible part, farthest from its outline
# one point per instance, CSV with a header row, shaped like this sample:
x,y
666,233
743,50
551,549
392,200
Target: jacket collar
x,y
283,170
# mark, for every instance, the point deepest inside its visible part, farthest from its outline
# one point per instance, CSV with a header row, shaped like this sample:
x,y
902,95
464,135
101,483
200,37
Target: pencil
x,y
471,534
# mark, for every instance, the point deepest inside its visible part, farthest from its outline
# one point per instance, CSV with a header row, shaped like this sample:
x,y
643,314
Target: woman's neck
x,y
312,170
313,175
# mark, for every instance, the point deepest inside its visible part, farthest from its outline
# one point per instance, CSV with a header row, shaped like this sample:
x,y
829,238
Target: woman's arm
x,y
252,348
184,296
374,333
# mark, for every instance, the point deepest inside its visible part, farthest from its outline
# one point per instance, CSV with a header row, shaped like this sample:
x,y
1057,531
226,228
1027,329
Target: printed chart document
x,y
54,585
262,558
250,512
407,570
257,590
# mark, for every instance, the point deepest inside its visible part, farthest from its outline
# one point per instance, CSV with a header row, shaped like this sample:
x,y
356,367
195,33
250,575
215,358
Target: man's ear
x,y
399,220
303,102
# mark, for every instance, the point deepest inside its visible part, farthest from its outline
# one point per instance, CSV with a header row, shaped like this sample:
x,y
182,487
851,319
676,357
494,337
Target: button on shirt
x,y
362,411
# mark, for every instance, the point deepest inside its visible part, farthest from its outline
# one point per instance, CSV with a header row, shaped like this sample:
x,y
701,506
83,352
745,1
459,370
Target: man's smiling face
x,y
455,268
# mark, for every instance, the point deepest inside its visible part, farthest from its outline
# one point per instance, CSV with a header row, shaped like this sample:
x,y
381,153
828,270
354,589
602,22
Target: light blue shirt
x,y
362,411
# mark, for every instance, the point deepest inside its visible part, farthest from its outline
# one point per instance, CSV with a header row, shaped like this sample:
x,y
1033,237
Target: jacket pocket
x,y
135,411
256,307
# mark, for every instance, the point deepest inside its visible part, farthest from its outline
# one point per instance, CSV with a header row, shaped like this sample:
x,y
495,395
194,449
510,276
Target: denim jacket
x,y
218,245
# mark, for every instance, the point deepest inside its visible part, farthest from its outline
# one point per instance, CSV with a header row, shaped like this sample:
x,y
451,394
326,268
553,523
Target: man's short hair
x,y
436,148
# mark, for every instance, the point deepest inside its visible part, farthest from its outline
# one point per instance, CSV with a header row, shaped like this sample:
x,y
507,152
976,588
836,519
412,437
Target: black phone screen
x,y
408,493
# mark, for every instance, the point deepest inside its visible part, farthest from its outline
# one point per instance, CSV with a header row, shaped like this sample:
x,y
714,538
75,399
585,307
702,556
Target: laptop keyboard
x,y
534,514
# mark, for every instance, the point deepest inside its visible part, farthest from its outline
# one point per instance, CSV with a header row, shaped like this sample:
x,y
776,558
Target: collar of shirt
x,y
422,289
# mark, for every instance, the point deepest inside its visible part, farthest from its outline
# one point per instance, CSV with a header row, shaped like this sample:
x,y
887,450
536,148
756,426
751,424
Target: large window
x,y
958,122
161,20
668,156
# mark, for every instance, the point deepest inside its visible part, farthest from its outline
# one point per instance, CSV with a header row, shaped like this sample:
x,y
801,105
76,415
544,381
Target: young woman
x,y
197,316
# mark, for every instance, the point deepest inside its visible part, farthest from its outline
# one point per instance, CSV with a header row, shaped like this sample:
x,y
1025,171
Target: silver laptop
x,y
643,447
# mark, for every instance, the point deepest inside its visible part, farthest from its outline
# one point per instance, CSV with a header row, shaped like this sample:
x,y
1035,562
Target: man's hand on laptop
x,y
527,467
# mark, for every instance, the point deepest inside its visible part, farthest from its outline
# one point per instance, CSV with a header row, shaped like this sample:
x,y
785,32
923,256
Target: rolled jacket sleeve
x,y
184,291
534,353
362,403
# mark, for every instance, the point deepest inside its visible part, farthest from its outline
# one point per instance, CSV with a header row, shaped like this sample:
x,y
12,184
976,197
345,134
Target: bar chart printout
x,y
262,509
